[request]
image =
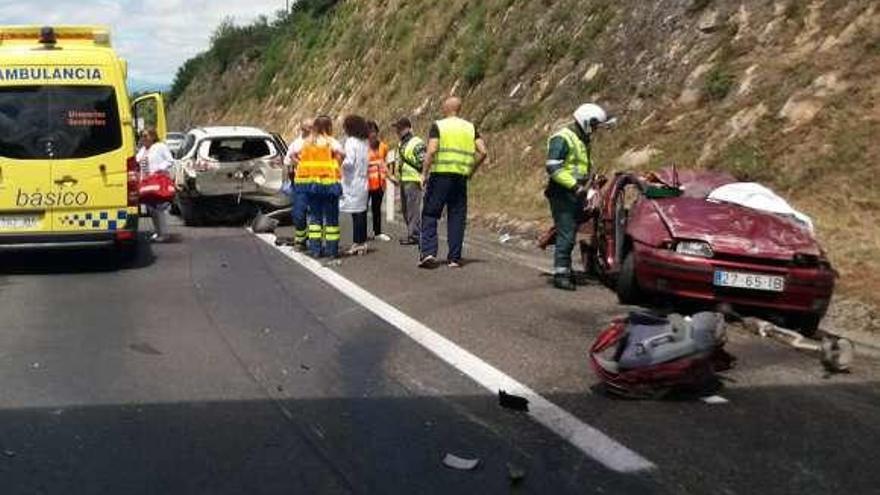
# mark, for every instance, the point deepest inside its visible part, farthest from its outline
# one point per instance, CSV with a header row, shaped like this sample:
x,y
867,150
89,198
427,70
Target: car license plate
x,y
755,281
18,222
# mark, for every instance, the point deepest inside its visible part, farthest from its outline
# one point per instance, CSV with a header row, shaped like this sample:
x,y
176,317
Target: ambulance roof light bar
x,y
52,36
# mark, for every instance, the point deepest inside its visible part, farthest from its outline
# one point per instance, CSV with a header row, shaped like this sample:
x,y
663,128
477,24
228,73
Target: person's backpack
x,y
649,356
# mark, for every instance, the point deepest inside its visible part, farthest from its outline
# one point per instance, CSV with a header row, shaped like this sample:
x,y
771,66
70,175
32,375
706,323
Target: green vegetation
x,y
718,83
746,161
261,41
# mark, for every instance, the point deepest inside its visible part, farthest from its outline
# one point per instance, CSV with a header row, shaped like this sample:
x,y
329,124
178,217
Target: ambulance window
x,y
60,122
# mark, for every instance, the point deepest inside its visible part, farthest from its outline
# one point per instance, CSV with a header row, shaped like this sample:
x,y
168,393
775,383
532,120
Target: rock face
x,y
773,91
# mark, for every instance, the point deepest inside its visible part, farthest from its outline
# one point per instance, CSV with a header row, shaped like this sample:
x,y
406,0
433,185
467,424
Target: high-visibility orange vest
x,y
316,163
377,172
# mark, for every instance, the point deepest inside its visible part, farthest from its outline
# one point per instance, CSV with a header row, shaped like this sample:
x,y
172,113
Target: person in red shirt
x,y
377,174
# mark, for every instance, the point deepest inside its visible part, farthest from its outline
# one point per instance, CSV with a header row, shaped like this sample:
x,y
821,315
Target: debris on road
x,y
510,401
145,348
515,473
35,365
647,356
305,367
714,400
505,238
264,224
9,453
455,462
837,354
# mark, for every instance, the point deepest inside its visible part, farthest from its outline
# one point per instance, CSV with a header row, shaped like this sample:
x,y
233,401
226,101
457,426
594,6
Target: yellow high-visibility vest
x,y
457,147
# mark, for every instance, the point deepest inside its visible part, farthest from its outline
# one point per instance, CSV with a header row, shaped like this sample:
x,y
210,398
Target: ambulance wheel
x,y
127,253
628,291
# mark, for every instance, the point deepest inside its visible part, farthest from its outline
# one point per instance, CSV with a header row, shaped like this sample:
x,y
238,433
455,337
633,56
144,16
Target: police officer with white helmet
x,y
569,167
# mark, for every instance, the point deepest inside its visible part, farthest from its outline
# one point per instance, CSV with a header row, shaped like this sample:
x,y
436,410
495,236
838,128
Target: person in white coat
x,y
355,193
154,157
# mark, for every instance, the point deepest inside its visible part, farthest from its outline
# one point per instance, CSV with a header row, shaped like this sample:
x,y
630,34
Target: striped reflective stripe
x,y
331,233
315,232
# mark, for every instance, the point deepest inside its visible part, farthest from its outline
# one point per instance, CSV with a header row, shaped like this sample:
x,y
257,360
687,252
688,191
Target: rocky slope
x,y
785,92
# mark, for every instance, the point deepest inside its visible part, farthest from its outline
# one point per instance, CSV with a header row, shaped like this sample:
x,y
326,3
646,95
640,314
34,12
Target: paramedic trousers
x,y
411,206
299,203
444,191
323,235
359,227
376,198
567,209
159,215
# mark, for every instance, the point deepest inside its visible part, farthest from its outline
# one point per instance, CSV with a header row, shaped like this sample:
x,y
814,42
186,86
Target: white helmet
x,y
590,115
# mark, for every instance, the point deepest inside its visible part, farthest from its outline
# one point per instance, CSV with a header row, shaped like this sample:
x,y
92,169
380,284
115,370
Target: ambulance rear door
x,y
25,150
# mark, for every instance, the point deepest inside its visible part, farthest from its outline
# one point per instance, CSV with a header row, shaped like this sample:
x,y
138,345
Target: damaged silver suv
x,y
229,174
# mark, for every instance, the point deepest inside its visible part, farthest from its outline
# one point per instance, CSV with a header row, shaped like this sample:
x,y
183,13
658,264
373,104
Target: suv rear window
x,y
239,149
40,122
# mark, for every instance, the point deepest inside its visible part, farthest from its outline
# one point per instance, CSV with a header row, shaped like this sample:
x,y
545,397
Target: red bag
x,y
156,188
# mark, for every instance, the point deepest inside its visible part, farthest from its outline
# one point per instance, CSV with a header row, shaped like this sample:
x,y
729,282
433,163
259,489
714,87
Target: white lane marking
x,y
588,439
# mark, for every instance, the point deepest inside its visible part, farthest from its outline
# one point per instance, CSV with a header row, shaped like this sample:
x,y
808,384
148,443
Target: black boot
x,y
564,282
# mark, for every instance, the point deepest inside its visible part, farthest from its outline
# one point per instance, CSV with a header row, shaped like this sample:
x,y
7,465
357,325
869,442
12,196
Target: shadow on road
x,y
67,261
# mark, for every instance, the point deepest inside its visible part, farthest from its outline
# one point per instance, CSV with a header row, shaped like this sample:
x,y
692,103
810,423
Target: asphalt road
x,y
217,365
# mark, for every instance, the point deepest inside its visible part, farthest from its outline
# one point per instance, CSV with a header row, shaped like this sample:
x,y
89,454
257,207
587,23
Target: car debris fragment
x,y
837,354
462,464
510,401
515,473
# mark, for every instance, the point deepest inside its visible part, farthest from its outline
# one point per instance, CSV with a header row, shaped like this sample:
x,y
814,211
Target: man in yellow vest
x,y
569,168
407,171
455,152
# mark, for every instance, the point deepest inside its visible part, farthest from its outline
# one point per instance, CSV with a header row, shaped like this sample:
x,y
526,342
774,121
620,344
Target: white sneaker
x,y
383,237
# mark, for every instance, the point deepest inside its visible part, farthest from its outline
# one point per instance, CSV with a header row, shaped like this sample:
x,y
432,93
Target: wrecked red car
x,y
662,235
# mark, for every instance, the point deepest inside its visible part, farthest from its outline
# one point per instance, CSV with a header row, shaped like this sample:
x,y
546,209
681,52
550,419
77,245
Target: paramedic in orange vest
x,y
298,201
318,173
377,174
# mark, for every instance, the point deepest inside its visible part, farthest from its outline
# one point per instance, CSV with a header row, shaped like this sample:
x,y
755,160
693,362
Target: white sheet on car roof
x,y
755,196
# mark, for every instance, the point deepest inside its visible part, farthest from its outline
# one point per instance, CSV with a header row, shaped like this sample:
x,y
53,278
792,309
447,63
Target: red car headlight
x,y
694,248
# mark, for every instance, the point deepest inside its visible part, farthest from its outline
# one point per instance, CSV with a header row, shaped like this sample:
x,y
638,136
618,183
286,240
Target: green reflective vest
x,y
455,154
408,165
576,167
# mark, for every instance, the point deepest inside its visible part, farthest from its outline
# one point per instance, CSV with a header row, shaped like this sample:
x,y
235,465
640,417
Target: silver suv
x,y
229,174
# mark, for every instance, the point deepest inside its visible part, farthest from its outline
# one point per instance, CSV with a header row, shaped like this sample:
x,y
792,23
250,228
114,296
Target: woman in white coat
x,y
355,194
154,157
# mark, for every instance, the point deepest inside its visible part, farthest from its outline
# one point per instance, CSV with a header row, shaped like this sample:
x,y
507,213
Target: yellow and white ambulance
x,y
68,176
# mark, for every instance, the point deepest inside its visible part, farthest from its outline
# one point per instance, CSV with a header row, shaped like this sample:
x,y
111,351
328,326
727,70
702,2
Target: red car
x,y
660,235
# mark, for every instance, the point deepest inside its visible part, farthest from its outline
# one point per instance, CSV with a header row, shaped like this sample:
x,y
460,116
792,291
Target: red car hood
x,y
735,230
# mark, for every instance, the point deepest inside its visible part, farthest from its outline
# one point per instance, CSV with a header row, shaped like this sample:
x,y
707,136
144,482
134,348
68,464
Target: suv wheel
x,y
190,213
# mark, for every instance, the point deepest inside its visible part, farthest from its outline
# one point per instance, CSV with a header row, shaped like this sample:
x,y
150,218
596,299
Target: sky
x,y
155,36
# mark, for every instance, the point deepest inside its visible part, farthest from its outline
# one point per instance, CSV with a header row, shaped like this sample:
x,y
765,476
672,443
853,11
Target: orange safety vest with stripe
x,y
377,172
316,163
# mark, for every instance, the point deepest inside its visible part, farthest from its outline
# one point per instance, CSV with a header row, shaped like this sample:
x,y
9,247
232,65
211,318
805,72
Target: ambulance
x,y
68,176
